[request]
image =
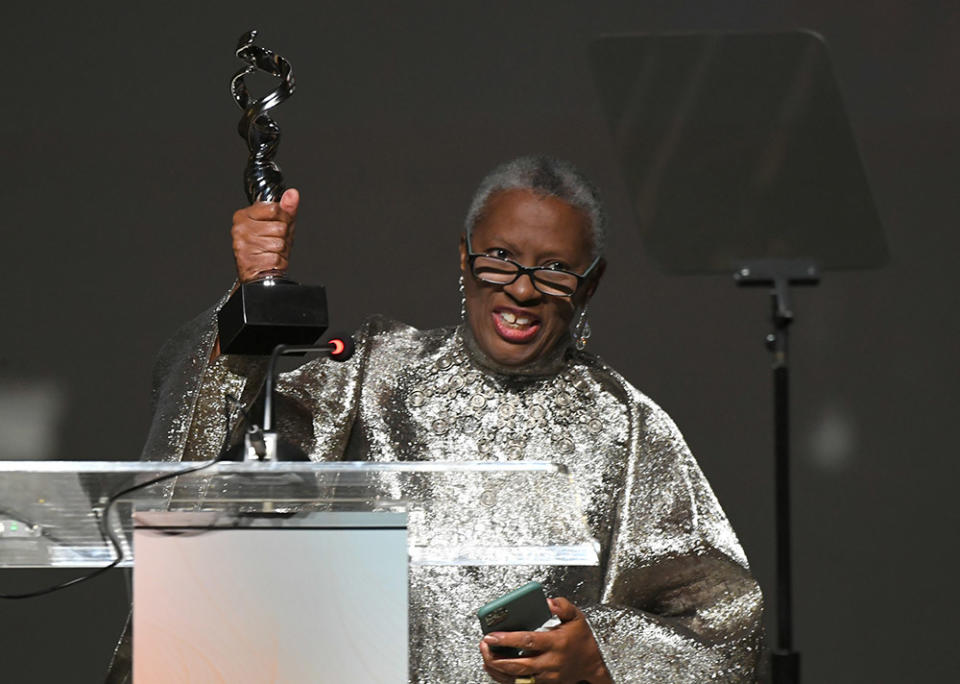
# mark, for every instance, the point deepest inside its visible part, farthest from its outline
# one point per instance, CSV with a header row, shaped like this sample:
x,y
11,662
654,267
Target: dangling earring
x,y
463,301
582,332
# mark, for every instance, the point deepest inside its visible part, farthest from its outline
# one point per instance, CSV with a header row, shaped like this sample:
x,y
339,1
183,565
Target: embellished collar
x,y
551,363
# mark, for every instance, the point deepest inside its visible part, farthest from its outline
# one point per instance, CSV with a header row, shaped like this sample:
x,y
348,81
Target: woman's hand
x,y
263,235
566,654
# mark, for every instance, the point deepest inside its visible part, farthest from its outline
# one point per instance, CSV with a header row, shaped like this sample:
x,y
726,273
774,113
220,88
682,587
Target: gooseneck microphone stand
x,y
261,442
781,274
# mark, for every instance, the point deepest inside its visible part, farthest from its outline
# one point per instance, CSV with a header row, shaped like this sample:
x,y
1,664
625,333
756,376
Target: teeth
x,y
513,320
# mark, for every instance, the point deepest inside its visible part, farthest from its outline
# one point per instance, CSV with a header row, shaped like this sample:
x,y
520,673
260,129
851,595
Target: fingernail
x,y
490,639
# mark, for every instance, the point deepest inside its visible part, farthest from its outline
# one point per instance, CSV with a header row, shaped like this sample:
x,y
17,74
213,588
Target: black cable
x,y
107,533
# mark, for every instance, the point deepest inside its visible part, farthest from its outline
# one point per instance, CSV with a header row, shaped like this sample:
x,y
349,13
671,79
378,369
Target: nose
x,y
522,290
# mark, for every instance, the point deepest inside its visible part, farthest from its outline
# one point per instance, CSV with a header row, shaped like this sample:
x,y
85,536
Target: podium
x,y
346,571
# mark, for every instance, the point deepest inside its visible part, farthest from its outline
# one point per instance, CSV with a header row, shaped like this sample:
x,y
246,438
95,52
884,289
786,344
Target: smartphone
x,y
521,610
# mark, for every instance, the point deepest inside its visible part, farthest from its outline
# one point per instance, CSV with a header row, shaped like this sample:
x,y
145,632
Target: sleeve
x,y
678,603
177,376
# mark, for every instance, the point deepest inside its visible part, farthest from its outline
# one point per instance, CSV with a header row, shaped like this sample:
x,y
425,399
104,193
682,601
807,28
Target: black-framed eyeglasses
x,y
550,281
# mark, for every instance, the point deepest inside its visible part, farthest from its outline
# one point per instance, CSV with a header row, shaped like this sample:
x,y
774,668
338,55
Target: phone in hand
x,y
521,610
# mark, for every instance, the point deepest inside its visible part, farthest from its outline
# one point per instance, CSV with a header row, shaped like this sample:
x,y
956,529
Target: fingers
x,y
525,641
246,225
290,201
506,669
540,655
563,609
263,236
490,668
256,254
497,676
266,244
565,653
256,268
264,211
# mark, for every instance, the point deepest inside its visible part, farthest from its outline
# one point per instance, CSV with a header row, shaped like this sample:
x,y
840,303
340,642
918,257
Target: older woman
x,y
673,600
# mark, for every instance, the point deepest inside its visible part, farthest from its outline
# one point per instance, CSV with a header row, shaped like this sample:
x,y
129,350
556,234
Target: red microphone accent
x,y
341,347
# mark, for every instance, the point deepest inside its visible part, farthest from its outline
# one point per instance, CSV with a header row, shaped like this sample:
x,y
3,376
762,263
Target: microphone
x,y
261,443
342,347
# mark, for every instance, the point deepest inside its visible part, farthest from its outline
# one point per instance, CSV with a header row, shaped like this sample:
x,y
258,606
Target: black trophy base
x,y
264,313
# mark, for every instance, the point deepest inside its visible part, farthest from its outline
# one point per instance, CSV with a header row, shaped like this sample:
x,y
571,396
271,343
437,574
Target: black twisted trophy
x,y
273,309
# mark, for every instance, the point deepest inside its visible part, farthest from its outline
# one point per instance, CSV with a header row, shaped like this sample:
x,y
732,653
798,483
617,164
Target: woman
x,y
673,600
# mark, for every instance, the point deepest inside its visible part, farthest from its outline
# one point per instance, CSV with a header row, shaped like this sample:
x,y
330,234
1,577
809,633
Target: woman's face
x,y
516,324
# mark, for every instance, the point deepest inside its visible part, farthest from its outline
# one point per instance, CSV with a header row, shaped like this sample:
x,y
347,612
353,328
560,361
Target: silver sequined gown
x,y
673,600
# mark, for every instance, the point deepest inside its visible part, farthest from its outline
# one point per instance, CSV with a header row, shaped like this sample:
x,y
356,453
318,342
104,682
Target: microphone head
x,y
342,347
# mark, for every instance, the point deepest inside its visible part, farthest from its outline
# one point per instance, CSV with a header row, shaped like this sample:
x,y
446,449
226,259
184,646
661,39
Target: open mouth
x,y
515,326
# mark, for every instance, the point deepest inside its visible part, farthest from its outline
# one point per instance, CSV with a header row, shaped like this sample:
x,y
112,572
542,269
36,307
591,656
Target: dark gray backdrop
x,y
121,168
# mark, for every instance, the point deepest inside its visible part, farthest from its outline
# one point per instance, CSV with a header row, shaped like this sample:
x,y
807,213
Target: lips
x,y
515,325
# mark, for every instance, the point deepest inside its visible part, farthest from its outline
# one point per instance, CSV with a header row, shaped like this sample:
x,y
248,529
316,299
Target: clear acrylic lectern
x,y
301,533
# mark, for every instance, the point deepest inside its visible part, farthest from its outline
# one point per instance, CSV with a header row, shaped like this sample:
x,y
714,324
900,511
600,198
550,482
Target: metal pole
x,y
785,661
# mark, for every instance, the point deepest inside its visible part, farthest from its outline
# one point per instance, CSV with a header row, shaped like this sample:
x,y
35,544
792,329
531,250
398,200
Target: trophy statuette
x,y
273,309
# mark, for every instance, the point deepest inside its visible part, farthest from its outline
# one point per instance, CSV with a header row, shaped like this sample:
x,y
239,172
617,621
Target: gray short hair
x,y
544,176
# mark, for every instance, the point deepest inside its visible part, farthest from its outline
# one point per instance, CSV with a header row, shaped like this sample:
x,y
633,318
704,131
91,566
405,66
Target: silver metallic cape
x,y
673,600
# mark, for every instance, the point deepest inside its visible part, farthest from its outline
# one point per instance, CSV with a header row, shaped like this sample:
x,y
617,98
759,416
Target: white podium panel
x,y
315,597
